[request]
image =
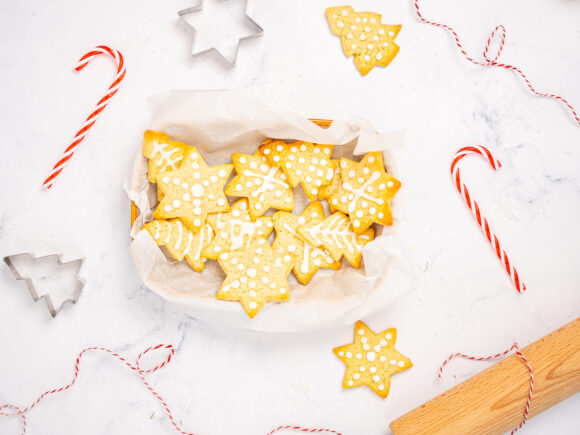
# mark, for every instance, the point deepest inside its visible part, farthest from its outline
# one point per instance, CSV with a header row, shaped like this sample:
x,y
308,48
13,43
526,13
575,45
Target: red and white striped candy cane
x,y
481,220
92,118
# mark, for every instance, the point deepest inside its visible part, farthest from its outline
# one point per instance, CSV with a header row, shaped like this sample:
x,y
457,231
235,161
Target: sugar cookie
x,y
192,191
264,185
308,258
163,154
336,235
364,193
255,276
234,230
371,359
180,242
303,163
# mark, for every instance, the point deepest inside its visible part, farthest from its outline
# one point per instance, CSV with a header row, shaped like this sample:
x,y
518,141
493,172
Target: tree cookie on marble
x,y
192,191
264,185
255,276
235,230
371,359
308,258
180,242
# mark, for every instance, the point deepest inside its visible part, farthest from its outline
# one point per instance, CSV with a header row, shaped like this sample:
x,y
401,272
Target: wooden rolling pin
x,y
493,401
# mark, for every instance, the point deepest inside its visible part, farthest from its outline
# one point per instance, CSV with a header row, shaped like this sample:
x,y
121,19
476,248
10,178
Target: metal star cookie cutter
x,y
32,288
259,31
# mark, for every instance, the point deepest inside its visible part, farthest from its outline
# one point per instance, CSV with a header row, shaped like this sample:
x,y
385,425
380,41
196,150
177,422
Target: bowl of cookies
x,y
256,217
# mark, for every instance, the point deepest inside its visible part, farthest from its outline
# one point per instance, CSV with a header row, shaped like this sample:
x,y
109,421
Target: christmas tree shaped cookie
x,y
363,36
255,276
308,258
264,185
364,193
192,191
335,234
180,242
371,359
163,153
235,230
303,163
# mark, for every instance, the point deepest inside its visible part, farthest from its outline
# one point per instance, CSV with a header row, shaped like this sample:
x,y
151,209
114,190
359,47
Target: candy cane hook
x,y
481,220
92,118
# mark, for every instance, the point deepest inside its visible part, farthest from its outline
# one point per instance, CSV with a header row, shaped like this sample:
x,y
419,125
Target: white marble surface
x,y
225,381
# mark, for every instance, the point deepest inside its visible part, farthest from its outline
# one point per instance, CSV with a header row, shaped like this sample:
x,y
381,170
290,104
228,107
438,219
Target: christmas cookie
x,y
336,235
371,359
364,36
303,163
235,230
264,185
192,191
180,242
163,153
255,276
308,258
364,192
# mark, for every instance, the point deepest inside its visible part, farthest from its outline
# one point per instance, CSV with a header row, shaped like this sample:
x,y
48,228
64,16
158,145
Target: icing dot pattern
x,y
180,242
235,230
364,195
308,259
265,186
303,163
246,284
186,196
375,368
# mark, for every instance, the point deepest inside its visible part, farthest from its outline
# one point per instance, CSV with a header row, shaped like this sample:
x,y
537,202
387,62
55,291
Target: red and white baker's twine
x,y
481,220
92,118
136,366
485,358
487,61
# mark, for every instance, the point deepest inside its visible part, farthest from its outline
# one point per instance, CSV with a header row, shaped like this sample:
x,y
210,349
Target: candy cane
x,y
92,118
481,220
500,30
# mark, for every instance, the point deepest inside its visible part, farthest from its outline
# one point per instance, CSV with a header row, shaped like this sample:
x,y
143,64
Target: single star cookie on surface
x,y
264,185
364,193
308,258
336,235
180,242
255,276
371,359
163,153
192,191
235,230
303,163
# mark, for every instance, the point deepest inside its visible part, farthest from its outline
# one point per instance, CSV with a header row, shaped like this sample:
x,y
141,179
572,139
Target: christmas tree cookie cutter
x,y
10,260
232,56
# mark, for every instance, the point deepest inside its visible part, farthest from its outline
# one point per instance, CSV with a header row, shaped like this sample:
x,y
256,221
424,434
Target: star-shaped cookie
x,y
336,235
255,276
264,185
308,258
371,359
303,163
163,154
364,193
234,230
192,191
180,242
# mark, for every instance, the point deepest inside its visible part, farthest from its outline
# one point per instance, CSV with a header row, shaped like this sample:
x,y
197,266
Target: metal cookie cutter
x,y
32,288
232,57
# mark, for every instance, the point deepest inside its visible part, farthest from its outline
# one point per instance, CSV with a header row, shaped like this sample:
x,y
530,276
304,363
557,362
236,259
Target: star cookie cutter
x,y
259,31
9,260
